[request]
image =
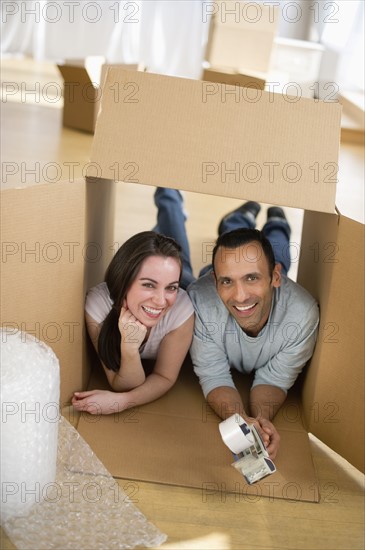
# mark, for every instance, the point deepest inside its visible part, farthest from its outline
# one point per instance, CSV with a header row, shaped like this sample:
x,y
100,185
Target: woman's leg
x,y
171,222
277,231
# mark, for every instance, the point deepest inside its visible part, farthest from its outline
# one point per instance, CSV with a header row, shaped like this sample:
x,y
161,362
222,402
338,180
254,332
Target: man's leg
x,y
171,222
242,217
277,231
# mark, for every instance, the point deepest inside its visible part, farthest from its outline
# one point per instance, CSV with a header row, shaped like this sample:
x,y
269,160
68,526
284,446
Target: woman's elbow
x,y
120,385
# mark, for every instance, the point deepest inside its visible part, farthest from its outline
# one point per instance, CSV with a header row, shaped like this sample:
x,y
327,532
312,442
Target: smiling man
x,y
249,316
252,318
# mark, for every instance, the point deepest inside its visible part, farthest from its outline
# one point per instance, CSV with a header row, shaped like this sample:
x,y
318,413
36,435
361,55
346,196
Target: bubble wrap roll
x,y
30,392
55,498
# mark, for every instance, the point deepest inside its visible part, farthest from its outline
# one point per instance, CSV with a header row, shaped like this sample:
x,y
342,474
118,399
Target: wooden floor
x,y
32,132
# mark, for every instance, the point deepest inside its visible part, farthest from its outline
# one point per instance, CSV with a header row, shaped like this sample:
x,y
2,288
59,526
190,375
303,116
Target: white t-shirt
x,y
98,304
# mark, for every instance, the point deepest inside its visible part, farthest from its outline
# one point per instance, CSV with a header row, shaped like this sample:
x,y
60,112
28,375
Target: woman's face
x,y
154,290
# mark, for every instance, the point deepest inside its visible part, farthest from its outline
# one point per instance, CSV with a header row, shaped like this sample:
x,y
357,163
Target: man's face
x,y
245,286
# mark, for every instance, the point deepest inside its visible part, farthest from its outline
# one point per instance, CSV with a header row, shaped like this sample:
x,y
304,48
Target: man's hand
x,y
226,401
100,402
268,433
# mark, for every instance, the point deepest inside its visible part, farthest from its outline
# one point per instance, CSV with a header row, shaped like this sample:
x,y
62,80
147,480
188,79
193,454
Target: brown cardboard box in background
x,y
241,37
83,88
272,151
353,117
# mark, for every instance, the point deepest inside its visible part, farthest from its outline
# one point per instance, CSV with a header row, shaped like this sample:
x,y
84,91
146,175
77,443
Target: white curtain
x,y
173,37
166,36
170,36
343,33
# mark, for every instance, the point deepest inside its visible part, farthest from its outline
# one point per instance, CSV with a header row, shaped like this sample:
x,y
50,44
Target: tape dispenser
x,y
250,455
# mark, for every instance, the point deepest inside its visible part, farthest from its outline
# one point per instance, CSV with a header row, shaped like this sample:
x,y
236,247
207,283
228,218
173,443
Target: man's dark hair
x,y
240,237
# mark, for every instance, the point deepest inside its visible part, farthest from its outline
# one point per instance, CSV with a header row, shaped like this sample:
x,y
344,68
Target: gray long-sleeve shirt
x,y
277,354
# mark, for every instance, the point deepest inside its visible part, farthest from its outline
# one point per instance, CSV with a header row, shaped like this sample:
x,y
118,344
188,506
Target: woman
x,y
138,313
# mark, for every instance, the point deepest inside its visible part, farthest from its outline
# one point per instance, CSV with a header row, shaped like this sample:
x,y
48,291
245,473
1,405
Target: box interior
x,y
170,151
175,440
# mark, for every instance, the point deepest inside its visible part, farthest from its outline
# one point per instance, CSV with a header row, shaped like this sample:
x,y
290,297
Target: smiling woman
x,y
138,313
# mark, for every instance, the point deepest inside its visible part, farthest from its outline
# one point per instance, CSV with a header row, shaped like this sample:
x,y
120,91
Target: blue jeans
x,y
171,222
276,230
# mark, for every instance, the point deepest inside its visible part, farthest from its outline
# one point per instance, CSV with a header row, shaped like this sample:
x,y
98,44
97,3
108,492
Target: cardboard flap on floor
x,y
206,137
176,441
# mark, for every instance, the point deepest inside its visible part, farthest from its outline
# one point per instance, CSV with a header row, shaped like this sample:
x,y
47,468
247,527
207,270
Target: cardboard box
x,y
56,242
210,146
298,62
241,36
83,85
333,390
353,117
175,135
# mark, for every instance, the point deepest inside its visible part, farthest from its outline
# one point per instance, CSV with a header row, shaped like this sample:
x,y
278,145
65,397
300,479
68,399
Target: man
x,y
249,316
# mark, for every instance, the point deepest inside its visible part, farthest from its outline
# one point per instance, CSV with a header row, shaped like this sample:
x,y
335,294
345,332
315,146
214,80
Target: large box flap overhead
x,y
214,138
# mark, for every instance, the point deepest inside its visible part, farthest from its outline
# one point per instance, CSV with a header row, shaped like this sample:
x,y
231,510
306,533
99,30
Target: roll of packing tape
x,y
236,434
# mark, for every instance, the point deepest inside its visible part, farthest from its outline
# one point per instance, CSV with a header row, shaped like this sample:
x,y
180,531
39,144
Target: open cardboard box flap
x,y
83,88
81,98
87,70
332,269
174,132
254,80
